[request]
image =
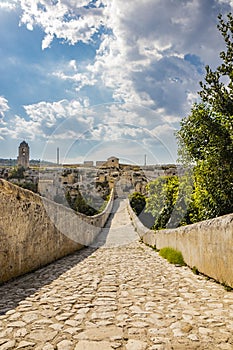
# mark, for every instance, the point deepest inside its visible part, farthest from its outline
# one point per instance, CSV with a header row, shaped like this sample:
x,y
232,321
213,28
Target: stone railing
x,y
35,231
207,245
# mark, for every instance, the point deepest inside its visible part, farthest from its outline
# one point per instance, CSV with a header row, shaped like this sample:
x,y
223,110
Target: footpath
x,y
117,294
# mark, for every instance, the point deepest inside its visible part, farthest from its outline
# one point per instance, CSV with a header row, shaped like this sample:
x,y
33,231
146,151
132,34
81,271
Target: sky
x,y
103,78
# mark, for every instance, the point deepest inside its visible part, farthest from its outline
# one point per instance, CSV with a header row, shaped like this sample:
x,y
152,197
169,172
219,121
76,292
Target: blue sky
x,y
102,78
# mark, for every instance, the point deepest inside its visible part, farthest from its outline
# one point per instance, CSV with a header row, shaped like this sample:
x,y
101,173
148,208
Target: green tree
x,y
137,202
79,204
17,173
217,90
206,137
162,197
29,186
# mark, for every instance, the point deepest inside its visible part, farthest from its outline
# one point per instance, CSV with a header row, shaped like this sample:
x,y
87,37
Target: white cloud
x,y
73,65
146,53
80,79
67,20
145,45
46,41
141,56
8,5
51,115
3,106
229,2
47,120
27,129
150,54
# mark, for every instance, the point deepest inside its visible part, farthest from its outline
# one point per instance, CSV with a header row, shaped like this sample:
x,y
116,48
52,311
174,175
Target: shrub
x,y
172,255
137,202
17,173
163,194
29,186
195,270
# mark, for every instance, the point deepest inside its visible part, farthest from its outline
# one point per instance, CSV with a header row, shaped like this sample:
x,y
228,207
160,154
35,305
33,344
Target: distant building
x,y
112,162
99,163
23,157
88,163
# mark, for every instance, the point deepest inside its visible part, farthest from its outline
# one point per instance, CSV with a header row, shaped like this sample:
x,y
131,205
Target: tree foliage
x,y
162,197
79,204
137,202
217,90
206,137
29,186
17,173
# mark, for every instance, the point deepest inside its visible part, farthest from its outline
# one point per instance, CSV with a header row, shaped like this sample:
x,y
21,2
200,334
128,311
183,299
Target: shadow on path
x,y
16,290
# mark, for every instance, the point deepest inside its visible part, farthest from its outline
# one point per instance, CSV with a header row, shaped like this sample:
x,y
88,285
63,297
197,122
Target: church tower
x,y
23,157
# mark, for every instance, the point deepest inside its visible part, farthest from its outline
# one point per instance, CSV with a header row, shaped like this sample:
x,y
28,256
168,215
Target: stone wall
x,y
207,245
35,231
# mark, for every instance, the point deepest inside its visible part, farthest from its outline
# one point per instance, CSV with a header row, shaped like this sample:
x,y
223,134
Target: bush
x,y
29,186
80,205
163,194
195,270
137,202
17,173
173,256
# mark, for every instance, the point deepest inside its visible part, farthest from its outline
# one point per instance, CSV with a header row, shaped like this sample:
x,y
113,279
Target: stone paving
x,y
120,297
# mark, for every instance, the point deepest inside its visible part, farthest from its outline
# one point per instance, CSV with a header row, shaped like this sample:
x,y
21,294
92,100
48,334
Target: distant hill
x,y
33,162
8,162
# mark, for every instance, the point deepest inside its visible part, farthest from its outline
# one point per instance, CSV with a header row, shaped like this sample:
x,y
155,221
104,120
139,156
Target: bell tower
x,y
23,157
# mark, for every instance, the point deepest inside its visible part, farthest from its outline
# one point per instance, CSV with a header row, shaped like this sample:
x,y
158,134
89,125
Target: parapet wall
x,y
35,231
207,245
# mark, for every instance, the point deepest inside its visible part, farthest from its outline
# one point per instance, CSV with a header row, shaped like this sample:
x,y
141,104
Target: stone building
x,y
88,163
112,162
23,157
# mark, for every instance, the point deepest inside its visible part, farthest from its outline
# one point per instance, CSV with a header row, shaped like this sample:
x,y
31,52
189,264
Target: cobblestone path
x,y
121,297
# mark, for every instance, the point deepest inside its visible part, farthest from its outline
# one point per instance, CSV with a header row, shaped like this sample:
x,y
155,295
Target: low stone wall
x,y
207,245
35,231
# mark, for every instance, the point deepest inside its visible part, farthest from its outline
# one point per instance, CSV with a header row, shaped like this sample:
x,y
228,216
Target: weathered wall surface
x,y
208,245
35,231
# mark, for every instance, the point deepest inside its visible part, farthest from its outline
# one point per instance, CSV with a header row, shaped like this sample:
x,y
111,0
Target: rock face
x,y
35,231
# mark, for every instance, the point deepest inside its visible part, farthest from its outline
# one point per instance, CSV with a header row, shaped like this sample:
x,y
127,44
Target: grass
x,y
226,287
173,256
195,270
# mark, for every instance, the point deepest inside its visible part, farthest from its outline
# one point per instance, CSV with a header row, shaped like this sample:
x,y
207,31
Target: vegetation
x,y
172,255
162,196
137,202
195,270
17,173
214,92
226,287
206,143
29,186
79,204
103,189
85,206
105,203
206,137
